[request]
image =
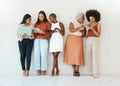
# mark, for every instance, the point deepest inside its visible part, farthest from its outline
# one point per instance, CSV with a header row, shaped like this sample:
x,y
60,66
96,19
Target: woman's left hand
x,y
57,29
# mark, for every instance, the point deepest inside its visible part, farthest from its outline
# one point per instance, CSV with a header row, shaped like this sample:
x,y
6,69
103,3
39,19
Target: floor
x,y
63,80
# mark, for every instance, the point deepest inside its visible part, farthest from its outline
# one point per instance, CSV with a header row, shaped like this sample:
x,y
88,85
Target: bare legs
x,y
55,64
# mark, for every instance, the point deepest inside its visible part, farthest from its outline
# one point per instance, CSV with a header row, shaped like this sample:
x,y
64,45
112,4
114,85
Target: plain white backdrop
x,y
12,11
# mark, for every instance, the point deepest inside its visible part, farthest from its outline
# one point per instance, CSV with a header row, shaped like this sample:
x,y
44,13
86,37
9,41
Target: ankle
x,y
43,72
27,73
38,72
24,72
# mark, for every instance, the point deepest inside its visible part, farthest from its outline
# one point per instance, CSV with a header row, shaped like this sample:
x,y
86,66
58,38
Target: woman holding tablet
x,y
42,34
25,43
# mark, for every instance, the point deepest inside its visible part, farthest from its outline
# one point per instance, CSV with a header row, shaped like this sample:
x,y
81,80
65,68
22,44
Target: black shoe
x,y
77,74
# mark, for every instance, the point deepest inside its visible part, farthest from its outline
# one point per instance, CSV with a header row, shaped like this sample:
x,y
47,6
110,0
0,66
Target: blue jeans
x,y
40,54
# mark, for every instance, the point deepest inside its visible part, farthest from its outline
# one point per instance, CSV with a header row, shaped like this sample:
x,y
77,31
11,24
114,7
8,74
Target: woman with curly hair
x,y
93,33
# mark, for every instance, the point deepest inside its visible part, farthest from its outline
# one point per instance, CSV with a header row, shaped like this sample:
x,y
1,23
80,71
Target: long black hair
x,y
45,17
26,16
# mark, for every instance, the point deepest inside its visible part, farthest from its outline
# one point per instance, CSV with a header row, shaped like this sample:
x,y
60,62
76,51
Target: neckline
x,y
94,25
55,22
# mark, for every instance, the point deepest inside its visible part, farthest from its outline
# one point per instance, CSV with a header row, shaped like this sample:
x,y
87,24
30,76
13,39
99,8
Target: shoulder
x,y
74,22
71,23
60,23
98,24
48,23
21,25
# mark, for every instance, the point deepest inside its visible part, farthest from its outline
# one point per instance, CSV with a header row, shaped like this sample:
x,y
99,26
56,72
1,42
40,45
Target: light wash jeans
x,y
40,54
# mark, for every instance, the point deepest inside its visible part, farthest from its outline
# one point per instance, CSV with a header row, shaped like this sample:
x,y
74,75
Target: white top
x,y
56,40
55,25
76,24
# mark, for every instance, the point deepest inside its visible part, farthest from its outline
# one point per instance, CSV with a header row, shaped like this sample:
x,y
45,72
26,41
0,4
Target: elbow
x,y
98,35
63,34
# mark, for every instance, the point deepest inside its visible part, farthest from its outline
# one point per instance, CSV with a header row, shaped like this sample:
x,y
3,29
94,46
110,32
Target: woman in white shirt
x,y
73,53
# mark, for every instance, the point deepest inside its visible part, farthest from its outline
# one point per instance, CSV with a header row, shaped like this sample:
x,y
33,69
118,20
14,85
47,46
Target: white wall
x,y
12,11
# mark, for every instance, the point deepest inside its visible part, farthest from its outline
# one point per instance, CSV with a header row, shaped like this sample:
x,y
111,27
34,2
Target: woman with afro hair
x,y
93,31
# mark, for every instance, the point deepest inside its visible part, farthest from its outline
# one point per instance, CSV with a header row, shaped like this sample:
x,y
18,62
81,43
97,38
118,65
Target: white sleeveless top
x,y
55,25
77,33
56,40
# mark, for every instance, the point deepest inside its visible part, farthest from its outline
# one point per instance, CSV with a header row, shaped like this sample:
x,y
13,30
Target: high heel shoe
x,y
74,73
77,73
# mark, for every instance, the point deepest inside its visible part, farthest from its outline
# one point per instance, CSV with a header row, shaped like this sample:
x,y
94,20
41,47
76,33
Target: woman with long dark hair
x,y
25,43
41,43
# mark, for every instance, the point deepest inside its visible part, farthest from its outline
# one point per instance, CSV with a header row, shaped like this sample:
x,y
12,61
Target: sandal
x,y
57,72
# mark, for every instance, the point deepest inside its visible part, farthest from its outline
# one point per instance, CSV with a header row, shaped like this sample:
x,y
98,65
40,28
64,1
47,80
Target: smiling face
x,y
92,19
28,21
81,19
41,17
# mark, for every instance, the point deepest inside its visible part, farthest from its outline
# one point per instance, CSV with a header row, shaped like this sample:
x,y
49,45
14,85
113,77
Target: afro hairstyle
x,y
93,13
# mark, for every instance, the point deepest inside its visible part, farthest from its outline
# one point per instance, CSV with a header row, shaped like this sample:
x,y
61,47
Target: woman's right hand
x,y
87,27
42,32
24,35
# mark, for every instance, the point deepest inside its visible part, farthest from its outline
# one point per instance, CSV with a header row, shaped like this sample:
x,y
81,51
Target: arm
x,y
97,33
62,31
72,28
87,28
32,36
47,32
83,31
20,37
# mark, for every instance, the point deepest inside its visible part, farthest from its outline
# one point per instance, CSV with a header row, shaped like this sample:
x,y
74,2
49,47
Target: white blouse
x,y
76,24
